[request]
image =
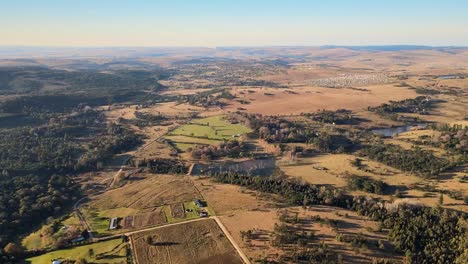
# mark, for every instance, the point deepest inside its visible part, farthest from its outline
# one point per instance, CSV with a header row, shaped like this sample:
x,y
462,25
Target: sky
x,y
214,23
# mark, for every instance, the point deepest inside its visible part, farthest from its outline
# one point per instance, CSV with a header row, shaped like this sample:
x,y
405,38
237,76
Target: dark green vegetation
x,y
419,105
424,235
161,165
231,149
19,80
416,160
338,117
366,184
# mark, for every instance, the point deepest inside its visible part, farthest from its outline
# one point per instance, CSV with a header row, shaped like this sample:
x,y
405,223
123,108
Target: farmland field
x,y
195,242
150,191
210,131
111,251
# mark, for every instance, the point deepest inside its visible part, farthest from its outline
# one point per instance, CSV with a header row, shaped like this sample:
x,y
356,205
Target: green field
x,y
98,221
111,251
210,131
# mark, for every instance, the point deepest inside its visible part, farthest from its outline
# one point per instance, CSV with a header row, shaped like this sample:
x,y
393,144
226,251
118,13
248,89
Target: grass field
x,y
190,243
111,251
210,131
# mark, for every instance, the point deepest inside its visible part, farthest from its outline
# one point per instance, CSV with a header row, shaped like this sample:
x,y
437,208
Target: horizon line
x,y
239,46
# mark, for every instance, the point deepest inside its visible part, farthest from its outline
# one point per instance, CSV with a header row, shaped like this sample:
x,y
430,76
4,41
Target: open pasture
x,y
189,243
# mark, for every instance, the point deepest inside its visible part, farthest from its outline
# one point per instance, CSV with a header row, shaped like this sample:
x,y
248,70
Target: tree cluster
x,y
231,149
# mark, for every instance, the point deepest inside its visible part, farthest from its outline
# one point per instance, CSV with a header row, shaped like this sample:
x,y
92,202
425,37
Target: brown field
x,y
312,99
148,191
263,221
195,242
227,199
155,217
332,168
177,210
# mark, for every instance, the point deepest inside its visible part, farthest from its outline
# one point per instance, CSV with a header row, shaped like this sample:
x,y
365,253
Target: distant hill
x,y
389,47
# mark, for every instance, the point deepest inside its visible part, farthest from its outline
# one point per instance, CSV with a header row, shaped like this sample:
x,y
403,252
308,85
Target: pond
x,y
392,131
447,77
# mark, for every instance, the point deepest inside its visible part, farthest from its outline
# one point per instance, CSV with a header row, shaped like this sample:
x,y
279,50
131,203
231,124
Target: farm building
x,y
203,214
113,223
199,203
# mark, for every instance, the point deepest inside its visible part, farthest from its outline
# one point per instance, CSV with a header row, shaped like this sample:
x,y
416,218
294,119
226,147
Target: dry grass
x,y
151,191
226,199
310,99
195,242
332,168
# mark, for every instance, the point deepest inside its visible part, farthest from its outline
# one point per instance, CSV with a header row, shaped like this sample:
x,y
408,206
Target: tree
x,y
441,199
149,240
13,249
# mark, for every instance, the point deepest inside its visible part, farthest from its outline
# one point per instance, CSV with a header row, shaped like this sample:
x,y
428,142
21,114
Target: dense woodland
x,y
161,165
366,184
338,117
392,110
231,149
17,80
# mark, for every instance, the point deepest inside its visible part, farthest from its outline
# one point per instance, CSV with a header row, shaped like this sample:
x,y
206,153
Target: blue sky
x,y
232,23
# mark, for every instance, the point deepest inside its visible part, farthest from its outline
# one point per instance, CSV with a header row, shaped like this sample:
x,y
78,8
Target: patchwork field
x,y
146,200
189,243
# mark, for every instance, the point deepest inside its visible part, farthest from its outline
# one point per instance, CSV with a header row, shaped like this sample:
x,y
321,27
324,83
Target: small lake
x,y
392,131
447,77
